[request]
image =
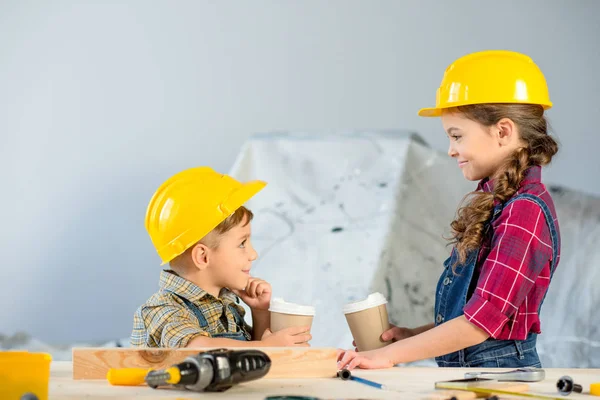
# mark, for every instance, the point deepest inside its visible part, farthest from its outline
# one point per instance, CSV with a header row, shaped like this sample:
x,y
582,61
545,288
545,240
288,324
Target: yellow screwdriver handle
x,y
127,376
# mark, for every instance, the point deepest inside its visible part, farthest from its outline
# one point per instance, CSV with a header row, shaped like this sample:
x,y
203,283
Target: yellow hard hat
x,y
189,205
493,76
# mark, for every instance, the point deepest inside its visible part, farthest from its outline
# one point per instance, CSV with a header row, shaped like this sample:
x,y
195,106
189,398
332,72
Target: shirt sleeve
x,y
171,325
520,249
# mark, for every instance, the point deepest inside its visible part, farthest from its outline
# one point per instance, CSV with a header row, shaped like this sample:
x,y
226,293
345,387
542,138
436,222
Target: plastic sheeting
x,y
344,215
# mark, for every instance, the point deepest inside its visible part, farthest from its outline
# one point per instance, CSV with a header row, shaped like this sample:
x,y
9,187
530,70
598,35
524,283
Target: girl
x,y
506,237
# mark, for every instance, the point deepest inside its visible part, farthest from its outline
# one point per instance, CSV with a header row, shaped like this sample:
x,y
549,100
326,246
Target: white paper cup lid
x,y
373,300
280,306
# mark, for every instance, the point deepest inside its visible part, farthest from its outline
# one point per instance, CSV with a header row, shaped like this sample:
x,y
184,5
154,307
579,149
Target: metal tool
x,y
211,371
516,375
565,386
491,391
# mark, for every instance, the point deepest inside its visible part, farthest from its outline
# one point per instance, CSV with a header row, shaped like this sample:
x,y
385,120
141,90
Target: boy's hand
x,y
294,336
257,294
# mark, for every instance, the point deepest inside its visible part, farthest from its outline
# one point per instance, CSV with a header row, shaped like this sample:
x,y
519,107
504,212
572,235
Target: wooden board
x,y
94,363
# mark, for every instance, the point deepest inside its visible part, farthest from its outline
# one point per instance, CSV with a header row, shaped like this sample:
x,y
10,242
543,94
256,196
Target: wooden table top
x,y
407,383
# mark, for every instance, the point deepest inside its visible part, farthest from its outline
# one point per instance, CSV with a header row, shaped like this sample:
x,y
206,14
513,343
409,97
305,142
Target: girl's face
x,y
479,150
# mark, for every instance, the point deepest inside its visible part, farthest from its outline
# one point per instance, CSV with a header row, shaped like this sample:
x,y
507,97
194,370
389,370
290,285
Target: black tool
x,y
565,386
346,375
213,371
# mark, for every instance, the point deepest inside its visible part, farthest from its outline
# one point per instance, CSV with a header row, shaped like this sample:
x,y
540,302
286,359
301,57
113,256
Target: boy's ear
x,y
200,256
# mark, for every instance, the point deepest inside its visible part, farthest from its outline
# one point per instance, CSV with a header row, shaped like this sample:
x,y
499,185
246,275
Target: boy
x,y
198,224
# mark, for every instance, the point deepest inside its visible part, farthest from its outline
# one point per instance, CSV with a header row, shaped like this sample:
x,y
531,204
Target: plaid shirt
x,y
513,268
165,320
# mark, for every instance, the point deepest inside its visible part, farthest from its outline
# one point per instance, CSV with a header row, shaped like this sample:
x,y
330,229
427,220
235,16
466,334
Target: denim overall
x,y
240,335
451,297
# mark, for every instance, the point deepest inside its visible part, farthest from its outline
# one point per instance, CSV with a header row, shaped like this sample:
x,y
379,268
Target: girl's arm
x,y
448,337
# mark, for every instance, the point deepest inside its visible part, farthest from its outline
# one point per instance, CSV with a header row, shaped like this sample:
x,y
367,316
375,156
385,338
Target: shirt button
x,y
446,281
439,318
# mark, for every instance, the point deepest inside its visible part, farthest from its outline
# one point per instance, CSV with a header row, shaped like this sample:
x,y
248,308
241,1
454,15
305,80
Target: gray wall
x,y
101,101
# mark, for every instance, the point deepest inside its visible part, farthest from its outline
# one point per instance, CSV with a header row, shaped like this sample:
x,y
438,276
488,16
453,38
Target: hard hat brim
x,y
437,111
430,112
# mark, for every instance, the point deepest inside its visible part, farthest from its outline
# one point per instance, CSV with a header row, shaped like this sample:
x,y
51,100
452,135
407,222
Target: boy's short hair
x,y
181,262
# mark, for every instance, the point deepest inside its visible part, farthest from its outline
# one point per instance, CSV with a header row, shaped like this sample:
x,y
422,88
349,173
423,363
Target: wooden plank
x,y
94,363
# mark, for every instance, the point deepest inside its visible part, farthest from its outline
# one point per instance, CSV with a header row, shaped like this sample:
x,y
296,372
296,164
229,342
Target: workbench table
x,y
414,383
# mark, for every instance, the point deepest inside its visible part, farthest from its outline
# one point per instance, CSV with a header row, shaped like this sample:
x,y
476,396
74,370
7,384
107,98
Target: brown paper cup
x,y
367,322
286,315
281,321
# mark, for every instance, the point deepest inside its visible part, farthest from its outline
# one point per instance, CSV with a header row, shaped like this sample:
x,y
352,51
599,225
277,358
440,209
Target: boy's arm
x,y
261,321
295,336
205,341
257,296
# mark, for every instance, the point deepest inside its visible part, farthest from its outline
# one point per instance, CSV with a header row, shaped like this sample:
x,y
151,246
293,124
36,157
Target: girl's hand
x,y
394,333
375,359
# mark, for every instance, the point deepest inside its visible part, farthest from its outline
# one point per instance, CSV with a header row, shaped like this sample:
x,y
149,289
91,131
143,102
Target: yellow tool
x,y
595,389
137,376
210,371
490,390
127,376
24,375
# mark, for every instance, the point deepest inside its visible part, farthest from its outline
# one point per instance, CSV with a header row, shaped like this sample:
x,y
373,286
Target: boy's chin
x,y
239,284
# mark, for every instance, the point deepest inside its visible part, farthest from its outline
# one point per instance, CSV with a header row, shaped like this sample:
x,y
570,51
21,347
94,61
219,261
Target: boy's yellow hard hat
x,y
492,76
189,205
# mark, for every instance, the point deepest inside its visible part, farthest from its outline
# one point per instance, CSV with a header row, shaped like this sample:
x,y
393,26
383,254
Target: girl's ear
x,y
505,131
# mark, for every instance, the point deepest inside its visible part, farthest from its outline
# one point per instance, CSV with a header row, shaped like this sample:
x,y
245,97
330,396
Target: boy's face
x,y
231,261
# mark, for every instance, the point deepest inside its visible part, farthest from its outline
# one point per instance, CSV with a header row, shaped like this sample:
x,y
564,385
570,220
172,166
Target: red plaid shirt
x,y
513,268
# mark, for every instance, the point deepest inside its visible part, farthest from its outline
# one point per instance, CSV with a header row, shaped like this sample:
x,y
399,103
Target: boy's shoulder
x,y
163,298
171,299
160,305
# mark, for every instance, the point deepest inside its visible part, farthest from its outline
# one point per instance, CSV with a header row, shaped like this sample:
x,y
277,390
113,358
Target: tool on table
x,y
346,375
460,389
211,371
479,385
127,376
565,386
516,375
595,389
